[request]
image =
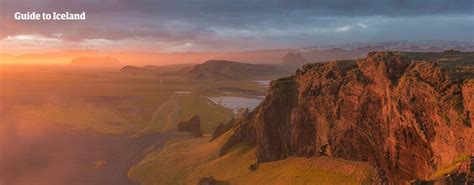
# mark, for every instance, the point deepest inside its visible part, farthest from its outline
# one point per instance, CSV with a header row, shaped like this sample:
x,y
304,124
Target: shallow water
x,y
34,152
236,102
263,83
182,92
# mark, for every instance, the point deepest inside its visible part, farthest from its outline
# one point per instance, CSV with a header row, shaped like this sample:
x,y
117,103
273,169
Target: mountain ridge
x,y
231,70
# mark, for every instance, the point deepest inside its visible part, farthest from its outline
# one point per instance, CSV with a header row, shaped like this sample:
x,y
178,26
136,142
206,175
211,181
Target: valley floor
x,y
60,125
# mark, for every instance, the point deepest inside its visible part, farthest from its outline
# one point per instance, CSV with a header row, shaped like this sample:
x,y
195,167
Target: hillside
x,y
186,161
409,115
129,69
162,71
230,70
181,107
293,61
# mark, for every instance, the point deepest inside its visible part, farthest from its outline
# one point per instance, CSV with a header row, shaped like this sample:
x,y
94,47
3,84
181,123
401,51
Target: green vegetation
x,y
444,170
186,161
173,163
112,102
183,107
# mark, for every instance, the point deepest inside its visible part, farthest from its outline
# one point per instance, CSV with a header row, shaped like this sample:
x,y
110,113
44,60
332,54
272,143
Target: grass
x,y
83,116
186,161
444,170
175,161
183,107
110,102
323,170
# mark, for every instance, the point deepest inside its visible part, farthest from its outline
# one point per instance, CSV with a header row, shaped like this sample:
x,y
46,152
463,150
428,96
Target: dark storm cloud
x,y
315,7
218,21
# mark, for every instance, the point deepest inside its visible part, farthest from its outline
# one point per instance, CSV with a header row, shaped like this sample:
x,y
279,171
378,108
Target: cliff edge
x,y
408,114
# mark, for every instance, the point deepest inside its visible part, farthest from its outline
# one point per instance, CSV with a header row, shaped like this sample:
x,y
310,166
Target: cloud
x,y
230,24
343,28
362,25
350,27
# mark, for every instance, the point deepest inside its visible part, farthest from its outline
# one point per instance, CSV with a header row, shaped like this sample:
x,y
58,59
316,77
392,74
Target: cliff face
x,y
408,114
192,125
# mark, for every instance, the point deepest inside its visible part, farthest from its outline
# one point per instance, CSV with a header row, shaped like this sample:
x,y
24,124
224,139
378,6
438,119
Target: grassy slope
x,y
183,107
447,169
185,161
175,161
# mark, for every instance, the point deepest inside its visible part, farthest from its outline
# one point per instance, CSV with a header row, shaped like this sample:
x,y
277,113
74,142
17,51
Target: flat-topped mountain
x,y
230,70
409,115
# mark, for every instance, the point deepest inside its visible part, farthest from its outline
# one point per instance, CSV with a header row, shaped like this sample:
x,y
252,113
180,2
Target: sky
x,y
231,25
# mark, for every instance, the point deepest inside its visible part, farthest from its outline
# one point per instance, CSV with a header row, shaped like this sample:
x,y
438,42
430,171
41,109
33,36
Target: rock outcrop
x,y
407,114
222,128
207,181
192,125
210,181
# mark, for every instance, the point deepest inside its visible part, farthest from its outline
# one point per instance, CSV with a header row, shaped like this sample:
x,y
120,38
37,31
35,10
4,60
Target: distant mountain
x,y
333,54
360,50
230,70
292,61
95,62
160,58
409,46
312,54
129,69
170,69
293,58
166,70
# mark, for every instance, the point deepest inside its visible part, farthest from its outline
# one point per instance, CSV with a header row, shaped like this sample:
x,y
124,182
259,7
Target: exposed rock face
x,y
243,132
222,128
407,114
193,125
459,172
210,181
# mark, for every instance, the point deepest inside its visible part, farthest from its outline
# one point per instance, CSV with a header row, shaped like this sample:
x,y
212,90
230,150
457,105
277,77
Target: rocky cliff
x,y
193,125
407,114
